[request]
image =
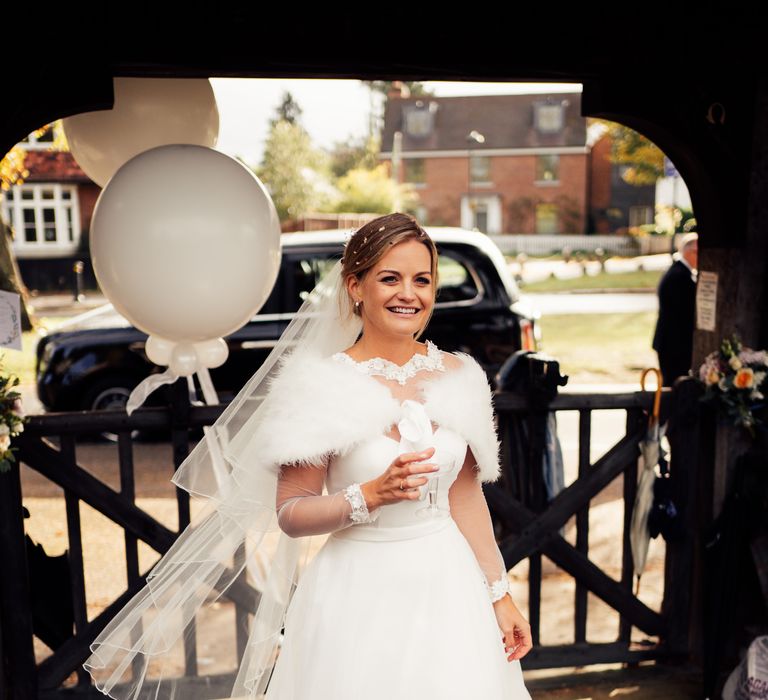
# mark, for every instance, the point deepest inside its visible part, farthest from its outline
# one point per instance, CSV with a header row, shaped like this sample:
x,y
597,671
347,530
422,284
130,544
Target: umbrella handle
x,y
657,396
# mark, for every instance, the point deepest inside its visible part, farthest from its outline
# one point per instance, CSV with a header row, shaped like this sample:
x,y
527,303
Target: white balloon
x,y
147,112
159,349
185,243
184,359
212,353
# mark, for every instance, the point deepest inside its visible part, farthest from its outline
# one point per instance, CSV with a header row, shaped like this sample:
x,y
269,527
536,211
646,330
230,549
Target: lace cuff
x,y
359,513
499,589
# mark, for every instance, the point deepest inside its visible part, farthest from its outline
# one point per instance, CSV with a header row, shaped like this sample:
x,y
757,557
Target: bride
x,y
355,431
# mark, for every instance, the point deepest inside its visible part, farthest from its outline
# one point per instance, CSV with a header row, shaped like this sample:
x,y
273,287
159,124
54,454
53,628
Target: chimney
x,y
398,89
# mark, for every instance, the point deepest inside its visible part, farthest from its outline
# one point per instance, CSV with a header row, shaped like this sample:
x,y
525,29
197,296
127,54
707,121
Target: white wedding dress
x,y
398,607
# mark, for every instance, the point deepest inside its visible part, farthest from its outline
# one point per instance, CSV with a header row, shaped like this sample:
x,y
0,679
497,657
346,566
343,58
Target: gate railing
x,y
529,526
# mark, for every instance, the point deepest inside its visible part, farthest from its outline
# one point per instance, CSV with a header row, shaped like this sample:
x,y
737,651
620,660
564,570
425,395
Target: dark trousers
x,y
673,366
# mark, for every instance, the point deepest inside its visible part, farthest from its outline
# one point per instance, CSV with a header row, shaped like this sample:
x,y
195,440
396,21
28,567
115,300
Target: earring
x,y
357,305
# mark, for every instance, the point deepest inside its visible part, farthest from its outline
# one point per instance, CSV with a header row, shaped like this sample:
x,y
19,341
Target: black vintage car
x,y
478,311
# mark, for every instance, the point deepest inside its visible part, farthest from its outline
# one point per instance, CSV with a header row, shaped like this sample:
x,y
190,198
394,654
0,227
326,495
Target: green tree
x,y
373,191
361,152
288,111
294,171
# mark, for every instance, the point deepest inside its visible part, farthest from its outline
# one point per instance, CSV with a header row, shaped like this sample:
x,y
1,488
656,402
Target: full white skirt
x,y
403,616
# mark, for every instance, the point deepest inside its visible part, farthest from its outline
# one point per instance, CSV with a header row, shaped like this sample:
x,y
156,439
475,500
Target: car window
x,y
302,273
456,283
272,304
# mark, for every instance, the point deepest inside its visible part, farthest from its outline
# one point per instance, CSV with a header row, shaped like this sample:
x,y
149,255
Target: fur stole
x,y
318,407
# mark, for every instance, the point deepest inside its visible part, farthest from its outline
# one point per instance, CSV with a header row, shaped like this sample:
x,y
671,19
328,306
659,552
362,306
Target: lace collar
x,y
433,360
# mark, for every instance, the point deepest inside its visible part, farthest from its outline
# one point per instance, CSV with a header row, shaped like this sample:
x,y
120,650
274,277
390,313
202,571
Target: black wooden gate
x,y
524,532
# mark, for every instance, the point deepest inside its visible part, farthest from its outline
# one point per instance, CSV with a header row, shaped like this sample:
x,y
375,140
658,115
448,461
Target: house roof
x,y
506,121
53,166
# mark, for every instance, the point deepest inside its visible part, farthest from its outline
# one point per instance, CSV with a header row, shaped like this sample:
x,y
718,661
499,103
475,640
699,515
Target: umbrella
x,y
651,452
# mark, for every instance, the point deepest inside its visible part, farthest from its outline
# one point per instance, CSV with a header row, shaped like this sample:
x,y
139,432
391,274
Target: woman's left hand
x,y
516,632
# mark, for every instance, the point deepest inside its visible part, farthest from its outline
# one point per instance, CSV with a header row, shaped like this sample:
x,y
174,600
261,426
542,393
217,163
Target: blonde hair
x,y
371,242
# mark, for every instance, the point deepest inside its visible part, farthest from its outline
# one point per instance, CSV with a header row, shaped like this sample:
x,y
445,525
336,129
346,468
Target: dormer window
x,y
419,118
548,118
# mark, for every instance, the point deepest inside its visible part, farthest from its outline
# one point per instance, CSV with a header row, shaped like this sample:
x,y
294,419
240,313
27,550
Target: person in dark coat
x,y
673,338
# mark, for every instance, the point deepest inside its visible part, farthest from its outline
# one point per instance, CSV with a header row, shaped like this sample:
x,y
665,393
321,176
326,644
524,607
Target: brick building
x,y
499,163
50,214
508,164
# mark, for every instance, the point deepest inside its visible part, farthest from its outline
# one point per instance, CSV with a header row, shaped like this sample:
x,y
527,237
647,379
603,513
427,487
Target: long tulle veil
x,y
140,653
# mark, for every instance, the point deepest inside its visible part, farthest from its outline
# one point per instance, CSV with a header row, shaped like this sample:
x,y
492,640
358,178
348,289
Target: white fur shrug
x,y
322,407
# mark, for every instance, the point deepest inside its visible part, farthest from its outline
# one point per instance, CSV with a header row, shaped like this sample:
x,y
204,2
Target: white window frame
x,y
474,160
32,144
13,212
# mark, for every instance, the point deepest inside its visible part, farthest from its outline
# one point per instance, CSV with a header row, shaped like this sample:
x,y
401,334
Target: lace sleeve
x,y
470,511
303,510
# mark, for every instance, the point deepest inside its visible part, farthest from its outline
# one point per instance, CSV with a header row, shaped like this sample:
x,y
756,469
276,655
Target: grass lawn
x,y
601,348
641,279
22,363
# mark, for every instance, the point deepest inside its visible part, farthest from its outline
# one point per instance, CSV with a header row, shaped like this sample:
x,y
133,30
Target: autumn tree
x,y
643,158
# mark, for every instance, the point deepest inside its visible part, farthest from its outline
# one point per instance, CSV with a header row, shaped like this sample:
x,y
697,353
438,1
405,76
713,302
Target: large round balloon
x,y
185,243
148,112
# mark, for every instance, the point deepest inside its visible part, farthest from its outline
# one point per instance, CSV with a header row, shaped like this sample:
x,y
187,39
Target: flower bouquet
x,y
11,418
734,379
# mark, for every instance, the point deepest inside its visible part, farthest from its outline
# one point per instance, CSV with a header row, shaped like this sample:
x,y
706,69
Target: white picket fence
x,y
543,244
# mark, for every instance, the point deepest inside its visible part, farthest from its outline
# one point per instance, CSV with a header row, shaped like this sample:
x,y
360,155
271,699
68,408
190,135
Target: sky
x,y
332,110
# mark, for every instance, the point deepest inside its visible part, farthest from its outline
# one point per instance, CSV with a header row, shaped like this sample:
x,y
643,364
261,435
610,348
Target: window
x,y
548,167
302,273
480,169
37,143
548,118
640,216
413,170
546,218
43,215
456,283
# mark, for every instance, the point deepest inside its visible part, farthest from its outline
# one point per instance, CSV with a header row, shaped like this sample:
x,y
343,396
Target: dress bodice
x,y
412,431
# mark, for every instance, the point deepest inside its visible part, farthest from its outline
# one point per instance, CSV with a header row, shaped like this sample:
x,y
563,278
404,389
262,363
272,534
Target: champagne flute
x,y
433,508
416,435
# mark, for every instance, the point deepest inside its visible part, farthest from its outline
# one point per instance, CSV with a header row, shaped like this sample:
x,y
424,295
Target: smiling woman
x,y
390,270
344,444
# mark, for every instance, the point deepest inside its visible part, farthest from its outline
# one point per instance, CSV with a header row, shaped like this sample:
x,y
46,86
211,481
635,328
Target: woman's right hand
x,y
385,490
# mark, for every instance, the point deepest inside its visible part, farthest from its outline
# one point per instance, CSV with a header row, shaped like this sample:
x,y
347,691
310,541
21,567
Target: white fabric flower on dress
x,y
416,434
415,427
